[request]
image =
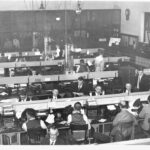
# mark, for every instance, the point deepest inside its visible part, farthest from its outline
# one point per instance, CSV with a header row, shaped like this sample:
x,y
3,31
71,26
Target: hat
x,y
137,103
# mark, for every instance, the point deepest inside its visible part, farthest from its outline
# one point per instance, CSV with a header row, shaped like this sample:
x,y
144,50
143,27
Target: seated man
x,y
128,88
55,94
82,67
32,122
142,81
145,113
120,132
81,88
78,117
58,117
98,91
53,138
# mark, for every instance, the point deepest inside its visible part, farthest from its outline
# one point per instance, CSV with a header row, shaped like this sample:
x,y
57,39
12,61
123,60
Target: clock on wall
x,y
127,13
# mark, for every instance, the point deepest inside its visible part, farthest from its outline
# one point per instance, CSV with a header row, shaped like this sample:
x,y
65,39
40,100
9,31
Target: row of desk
x,y
105,128
62,103
62,77
56,62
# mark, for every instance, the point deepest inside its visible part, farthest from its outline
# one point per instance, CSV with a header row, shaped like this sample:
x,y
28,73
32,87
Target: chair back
x,y
10,138
35,135
79,132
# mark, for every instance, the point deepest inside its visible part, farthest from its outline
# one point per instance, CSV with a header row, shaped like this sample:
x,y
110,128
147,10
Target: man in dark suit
x,y
141,81
53,138
81,88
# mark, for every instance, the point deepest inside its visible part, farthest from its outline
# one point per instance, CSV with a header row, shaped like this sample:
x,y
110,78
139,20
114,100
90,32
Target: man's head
x,y
81,61
98,89
123,104
55,92
53,133
77,106
30,113
140,72
80,80
58,115
128,86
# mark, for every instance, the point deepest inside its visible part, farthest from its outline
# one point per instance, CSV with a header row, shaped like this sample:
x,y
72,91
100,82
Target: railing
x,y
128,40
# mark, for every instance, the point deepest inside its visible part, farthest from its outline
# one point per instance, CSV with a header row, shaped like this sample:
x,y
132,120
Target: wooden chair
x,y
10,138
35,136
79,132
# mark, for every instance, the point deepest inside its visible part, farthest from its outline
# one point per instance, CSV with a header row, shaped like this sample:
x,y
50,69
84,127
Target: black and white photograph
x,y
74,73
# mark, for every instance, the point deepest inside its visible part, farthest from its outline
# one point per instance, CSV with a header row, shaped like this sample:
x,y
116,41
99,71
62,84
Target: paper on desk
x,y
111,107
9,100
102,120
18,114
47,79
3,93
78,49
63,122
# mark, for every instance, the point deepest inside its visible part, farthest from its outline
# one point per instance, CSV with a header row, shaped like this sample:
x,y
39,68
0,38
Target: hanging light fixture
x,y
79,9
42,5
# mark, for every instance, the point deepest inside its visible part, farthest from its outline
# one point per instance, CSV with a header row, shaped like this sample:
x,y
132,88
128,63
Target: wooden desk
x,y
104,128
11,137
63,77
55,62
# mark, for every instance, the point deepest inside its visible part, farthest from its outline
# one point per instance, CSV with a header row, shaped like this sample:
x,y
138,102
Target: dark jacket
x,y
144,83
83,68
59,141
84,89
69,140
51,96
94,94
77,119
33,124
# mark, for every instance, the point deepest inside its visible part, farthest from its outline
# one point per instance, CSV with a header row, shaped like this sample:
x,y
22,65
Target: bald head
x,y
55,92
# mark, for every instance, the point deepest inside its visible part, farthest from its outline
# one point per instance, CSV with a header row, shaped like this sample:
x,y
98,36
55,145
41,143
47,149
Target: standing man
x,y
99,61
142,81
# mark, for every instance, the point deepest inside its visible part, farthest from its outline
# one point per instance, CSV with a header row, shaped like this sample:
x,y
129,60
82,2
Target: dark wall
x,y
83,29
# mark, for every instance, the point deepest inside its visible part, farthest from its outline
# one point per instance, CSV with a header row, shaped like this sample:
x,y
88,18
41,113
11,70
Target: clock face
x,y
127,14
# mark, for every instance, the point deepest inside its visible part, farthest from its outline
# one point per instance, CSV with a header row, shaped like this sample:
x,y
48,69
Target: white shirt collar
x,y
54,97
52,142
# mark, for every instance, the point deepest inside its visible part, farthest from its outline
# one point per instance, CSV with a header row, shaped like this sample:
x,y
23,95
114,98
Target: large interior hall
x,y
74,72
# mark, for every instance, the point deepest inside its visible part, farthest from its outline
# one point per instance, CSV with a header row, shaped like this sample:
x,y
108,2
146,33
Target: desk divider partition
x,y
62,77
55,62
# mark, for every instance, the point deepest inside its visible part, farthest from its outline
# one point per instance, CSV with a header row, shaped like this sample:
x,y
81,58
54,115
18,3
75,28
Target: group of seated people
x,y
123,124
79,88
84,88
